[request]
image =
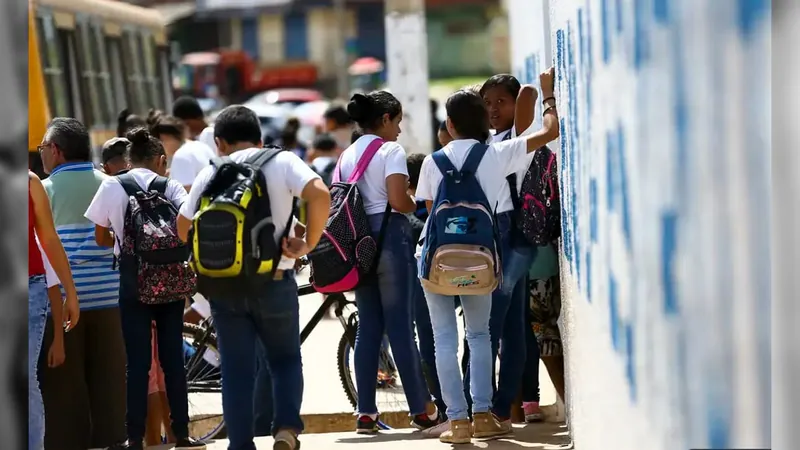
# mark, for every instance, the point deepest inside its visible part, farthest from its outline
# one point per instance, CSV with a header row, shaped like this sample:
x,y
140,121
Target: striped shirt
x,y
71,188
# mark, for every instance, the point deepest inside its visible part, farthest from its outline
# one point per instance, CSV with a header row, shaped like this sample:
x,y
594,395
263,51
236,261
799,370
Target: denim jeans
x,y
508,318
263,411
271,320
37,319
427,351
136,319
385,305
477,309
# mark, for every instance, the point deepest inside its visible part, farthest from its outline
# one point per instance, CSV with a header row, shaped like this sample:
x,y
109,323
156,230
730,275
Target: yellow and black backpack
x,y
233,245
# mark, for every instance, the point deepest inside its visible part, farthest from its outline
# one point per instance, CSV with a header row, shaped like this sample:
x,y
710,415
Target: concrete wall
x,y
665,170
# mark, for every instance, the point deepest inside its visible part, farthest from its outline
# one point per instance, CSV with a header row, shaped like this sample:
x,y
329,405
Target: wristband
x,y
546,110
548,98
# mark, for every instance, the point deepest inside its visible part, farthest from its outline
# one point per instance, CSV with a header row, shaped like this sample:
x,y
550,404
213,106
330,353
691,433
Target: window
x,y
90,87
165,75
122,95
73,76
132,66
53,68
148,52
108,104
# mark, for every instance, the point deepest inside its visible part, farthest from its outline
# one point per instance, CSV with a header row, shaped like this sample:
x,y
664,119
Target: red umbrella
x,y
365,66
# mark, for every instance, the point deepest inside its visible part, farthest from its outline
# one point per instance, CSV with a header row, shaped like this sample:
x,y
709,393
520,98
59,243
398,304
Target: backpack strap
x,y
474,158
444,164
264,156
220,160
159,184
129,184
362,164
512,188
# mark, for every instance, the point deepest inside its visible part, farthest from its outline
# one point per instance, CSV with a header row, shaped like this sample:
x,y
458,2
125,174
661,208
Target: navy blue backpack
x,y
459,255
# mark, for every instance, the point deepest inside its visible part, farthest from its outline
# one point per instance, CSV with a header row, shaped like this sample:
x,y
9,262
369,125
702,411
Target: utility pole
x,y
342,63
407,64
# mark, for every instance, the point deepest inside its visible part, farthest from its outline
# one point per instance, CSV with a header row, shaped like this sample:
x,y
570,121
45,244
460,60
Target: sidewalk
x,y
546,436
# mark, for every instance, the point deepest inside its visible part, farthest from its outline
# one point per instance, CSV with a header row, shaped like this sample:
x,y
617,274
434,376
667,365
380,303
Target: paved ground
x,y
325,406
549,436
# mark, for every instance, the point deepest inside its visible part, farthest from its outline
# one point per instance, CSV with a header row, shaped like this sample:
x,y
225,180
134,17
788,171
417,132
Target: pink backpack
x,y
347,254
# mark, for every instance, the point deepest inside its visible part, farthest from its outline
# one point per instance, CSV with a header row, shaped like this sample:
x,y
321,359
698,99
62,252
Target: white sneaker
x,y
436,431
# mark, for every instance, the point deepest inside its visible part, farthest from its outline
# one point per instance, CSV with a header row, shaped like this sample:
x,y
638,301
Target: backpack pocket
x,y
165,283
366,251
217,235
458,269
331,270
265,250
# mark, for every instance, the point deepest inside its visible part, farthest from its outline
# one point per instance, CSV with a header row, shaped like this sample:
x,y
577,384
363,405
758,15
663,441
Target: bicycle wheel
x,y
204,382
390,395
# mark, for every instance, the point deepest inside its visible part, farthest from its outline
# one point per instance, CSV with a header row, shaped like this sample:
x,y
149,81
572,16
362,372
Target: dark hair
x,y
237,123
468,115
338,114
367,110
187,108
71,137
115,148
324,142
414,162
356,135
505,80
126,121
168,125
144,146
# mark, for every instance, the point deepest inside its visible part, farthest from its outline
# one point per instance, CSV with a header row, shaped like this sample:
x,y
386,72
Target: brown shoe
x,y
486,426
459,433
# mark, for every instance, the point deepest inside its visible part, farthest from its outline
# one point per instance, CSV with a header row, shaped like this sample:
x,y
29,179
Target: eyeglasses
x,y
41,147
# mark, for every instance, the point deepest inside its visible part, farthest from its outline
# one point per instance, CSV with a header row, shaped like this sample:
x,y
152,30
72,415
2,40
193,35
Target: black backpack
x,y
537,205
326,173
152,246
234,250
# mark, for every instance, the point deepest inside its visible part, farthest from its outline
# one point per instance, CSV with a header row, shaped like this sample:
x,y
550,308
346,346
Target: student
x,y
115,156
189,111
339,124
81,412
289,139
127,121
443,136
271,317
186,158
386,306
325,155
500,95
467,122
108,212
40,224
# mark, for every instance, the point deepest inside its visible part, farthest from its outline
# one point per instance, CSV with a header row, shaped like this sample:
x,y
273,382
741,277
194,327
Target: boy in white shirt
x,y
272,317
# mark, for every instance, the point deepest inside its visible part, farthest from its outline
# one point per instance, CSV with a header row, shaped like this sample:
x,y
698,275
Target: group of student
x,y
181,207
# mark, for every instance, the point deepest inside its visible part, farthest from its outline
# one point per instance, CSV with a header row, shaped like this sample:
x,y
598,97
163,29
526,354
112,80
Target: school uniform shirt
x,y
500,160
111,201
286,176
207,137
389,160
504,136
189,160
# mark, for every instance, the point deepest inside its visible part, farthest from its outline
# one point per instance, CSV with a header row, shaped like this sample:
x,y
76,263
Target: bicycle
x,y
202,371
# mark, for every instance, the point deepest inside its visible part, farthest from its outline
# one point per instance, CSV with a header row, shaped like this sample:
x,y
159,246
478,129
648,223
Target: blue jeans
x,y
37,319
263,412
427,351
508,317
386,305
136,319
477,309
273,319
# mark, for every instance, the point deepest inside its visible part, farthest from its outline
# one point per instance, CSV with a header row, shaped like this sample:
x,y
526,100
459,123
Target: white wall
x,y
665,169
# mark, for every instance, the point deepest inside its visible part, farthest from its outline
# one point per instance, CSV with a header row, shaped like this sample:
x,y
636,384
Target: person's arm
x,y
51,244
303,182
188,206
424,187
56,355
318,204
549,131
103,236
525,109
396,175
98,213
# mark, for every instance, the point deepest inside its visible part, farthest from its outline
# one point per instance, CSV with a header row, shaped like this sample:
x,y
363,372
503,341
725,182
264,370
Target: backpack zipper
x,y
463,269
549,179
335,244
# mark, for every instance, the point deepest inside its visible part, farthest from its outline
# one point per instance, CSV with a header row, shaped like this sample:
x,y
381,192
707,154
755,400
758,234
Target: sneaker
x,y
486,425
532,412
366,425
128,445
436,431
286,440
424,421
457,433
189,443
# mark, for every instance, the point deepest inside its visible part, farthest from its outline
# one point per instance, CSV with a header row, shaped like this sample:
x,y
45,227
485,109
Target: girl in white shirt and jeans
x,y
385,306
